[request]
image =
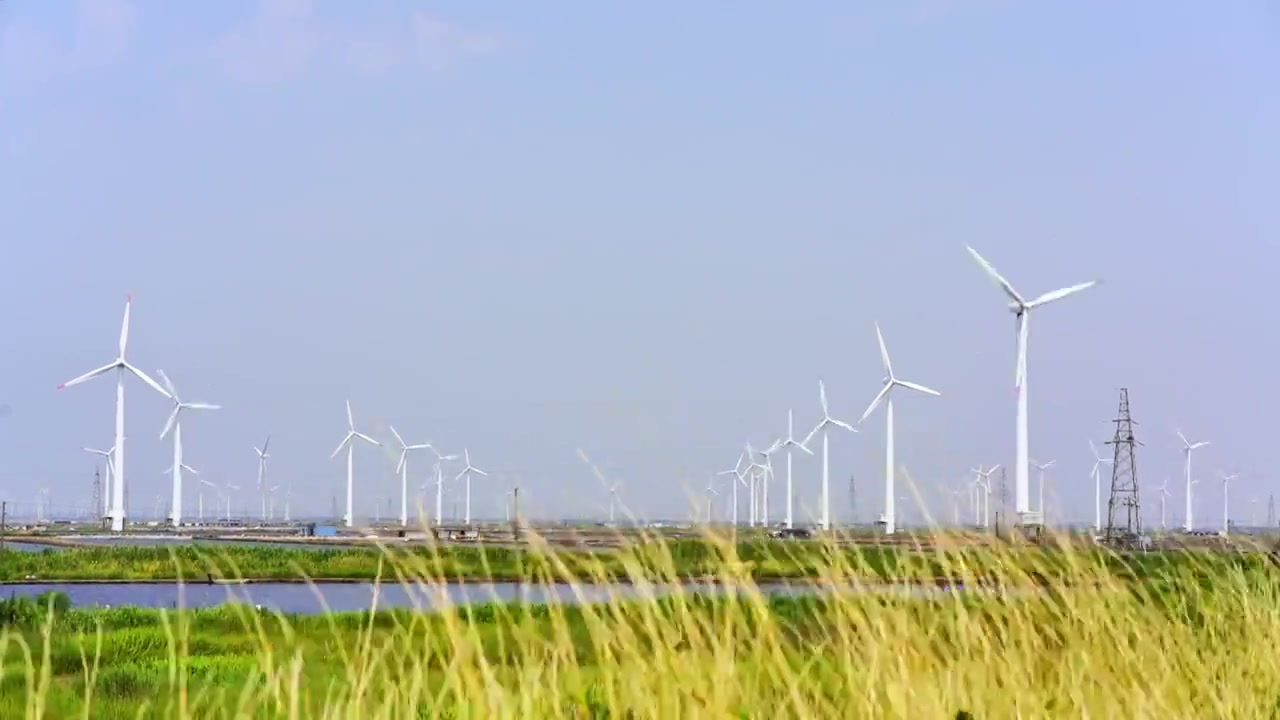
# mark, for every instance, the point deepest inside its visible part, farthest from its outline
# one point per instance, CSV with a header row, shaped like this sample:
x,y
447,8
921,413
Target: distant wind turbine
x,y
402,468
120,365
738,477
349,443
466,473
711,492
1226,508
890,381
1187,447
227,496
111,471
200,498
1022,308
984,482
263,455
175,424
1164,493
754,469
439,471
824,426
1042,467
787,444
1098,462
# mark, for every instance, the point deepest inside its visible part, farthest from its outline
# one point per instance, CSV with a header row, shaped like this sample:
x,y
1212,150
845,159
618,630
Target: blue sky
x,y
645,231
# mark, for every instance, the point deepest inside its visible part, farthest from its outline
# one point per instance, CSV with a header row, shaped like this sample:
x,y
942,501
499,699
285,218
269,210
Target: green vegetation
x,y
1069,633
758,558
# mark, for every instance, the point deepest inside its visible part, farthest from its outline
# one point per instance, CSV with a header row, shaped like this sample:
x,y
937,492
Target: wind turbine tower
x,y
824,426
890,381
402,469
1187,448
348,442
1098,462
466,473
787,444
121,366
1022,309
262,472
175,424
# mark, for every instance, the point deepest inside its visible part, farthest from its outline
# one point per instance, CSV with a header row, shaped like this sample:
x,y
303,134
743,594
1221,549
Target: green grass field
x,y
1067,634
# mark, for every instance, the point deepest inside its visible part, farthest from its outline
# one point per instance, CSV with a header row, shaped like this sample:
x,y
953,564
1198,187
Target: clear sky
x,y
645,231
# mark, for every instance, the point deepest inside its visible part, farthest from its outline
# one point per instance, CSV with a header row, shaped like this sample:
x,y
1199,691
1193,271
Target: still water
x,y
172,542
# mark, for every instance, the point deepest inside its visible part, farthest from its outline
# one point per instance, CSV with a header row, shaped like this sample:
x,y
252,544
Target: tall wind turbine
x,y
262,472
824,426
402,467
349,443
613,499
787,444
177,470
1098,462
227,488
766,476
1226,507
984,482
1164,493
1187,447
753,469
1022,309
1042,467
175,424
466,473
439,471
738,477
711,492
890,381
111,471
120,365
200,495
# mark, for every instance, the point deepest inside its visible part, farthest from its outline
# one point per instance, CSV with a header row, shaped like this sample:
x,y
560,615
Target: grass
x,y
1062,633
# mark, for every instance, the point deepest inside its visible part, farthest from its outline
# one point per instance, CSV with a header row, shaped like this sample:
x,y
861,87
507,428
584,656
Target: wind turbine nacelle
x,y
1015,308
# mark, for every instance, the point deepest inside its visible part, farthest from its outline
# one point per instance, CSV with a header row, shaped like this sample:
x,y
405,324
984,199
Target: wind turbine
x,y
1164,493
766,475
1022,309
175,424
613,498
200,496
824,426
711,492
439,471
227,496
1226,510
402,467
1098,462
466,472
177,470
349,444
787,444
111,471
120,365
262,472
890,381
271,503
1042,468
1187,447
985,483
754,469
738,476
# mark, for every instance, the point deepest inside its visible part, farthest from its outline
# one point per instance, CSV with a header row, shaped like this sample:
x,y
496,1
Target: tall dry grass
x,y
1032,633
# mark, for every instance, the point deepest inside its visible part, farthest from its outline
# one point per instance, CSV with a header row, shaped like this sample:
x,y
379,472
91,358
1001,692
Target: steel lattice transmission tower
x,y
1124,516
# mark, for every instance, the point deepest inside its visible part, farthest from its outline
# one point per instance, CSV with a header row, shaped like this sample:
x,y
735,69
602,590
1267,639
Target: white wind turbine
x,y
271,502
766,476
177,470
1226,508
439,471
890,381
402,468
824,426
1164,493
120,365
613,498
175,424
787,444
711,493
1022,309
1187,447
1098,462
738,477
227,496
349,444
288,498
753,470
984,482
111,471
1042,468
200,497
262,472
466,473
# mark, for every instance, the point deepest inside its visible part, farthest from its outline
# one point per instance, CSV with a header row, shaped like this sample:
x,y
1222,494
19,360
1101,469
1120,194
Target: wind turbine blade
x,y
168,384
397,435
343,444
89,375
1183,438
876,402
1052,295
351,423
366,438
1094,449
147,379
203,406
822,396
189,469
993,469
802,446
1200,444
459,475
842,424
266,445
1004,284
1050,464
884,352
124,326
400,464
478,471
173,418
918,388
